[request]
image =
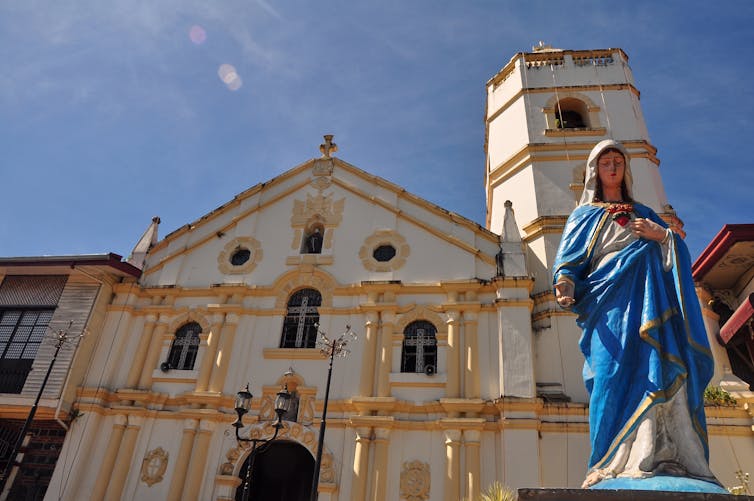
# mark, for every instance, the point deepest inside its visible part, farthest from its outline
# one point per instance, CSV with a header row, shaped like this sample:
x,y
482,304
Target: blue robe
x,y
643,334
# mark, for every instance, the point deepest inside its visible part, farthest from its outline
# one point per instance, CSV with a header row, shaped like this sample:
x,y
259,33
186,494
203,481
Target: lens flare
x,y
229,76
197,34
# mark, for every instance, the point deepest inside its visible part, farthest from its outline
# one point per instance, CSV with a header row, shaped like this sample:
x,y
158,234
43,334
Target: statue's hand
x,y
647,229
564,294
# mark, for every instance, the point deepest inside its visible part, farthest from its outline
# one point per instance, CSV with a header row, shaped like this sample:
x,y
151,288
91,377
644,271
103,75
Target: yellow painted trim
x,y
534,56
542,315
313,259
421,224
560,89
530,153
402,384
213,235
513,303
237,200
730,430
564,427
597,131
292,354
403,194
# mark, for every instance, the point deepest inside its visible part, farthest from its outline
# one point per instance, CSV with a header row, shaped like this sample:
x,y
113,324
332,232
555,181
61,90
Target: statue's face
x,y
611,168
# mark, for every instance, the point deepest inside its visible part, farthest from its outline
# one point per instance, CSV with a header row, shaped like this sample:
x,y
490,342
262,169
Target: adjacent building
x,y
40,299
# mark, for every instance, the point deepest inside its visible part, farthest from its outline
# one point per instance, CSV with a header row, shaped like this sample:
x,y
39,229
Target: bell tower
x,y
546,109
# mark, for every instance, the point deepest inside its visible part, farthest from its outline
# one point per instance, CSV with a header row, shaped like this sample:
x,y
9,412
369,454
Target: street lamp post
x,y
243,405
59,339
328,348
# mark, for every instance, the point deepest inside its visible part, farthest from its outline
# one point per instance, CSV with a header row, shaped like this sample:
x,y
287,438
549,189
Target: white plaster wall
x,y
569,74
518,189
508,132
728,454
564,458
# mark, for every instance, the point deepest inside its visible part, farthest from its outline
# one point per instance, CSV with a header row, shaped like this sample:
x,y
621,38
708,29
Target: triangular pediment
x,y
350,209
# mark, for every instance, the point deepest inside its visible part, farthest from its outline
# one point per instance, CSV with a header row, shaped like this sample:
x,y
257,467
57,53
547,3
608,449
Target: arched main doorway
x,y
282,472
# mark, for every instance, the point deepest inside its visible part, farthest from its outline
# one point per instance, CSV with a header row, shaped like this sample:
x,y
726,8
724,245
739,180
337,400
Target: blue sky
x,y
111,113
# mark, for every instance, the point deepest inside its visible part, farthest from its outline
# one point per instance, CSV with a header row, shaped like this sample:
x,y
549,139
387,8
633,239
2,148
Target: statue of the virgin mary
x,y
648,360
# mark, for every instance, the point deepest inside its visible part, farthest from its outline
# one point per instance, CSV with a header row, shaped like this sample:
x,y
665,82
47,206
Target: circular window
x,y
240,256
384,253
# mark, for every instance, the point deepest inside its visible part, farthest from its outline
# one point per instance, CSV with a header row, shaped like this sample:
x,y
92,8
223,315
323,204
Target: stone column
x,y
137,364
182,460
222,358
153,355
452,486
453,386
386,354
125,458
361,464
379,479
471,439
213,339
471,387
197,466
366,384
106,466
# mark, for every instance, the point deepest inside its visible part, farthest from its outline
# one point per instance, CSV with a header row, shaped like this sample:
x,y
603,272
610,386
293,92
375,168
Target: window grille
x,y
300,324
419,347
21,333
185,347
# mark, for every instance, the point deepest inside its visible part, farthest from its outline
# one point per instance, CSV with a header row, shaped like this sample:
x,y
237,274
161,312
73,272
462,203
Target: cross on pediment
x,y
328,146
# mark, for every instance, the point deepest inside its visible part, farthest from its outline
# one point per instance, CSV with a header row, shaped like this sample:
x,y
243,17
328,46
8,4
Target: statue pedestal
x,y
621,495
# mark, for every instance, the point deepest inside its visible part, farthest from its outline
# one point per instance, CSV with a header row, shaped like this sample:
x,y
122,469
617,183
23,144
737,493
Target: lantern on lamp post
x,y
242,406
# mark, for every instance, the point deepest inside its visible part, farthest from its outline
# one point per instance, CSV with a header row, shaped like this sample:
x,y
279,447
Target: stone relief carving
x,y
321,206
154,465
295,432
415,481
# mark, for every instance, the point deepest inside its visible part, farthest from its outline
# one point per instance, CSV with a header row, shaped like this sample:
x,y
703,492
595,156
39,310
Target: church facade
x,y
464,372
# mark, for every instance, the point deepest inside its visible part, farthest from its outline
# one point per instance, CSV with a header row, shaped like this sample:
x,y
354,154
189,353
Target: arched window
x,y
185,346
571,113
419,347
300,324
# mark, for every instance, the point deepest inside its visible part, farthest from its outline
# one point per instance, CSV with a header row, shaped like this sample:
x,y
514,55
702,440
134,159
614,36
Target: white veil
x,y
590,181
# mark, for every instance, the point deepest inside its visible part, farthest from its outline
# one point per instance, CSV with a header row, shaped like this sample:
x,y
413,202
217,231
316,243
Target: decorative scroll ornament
x,y
154,465
415,481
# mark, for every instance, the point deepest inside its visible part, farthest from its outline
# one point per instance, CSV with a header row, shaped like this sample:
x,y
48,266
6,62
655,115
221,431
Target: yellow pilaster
x,y
452,488
197,465
366,384
386,354
379,480
471,364
106,468
124,459
471,440
222,356
141,352
361,464
453,386
153,354
182,460
210,353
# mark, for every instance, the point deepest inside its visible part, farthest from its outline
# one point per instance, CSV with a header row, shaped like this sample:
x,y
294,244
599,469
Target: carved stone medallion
x,y
415,481
154,465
